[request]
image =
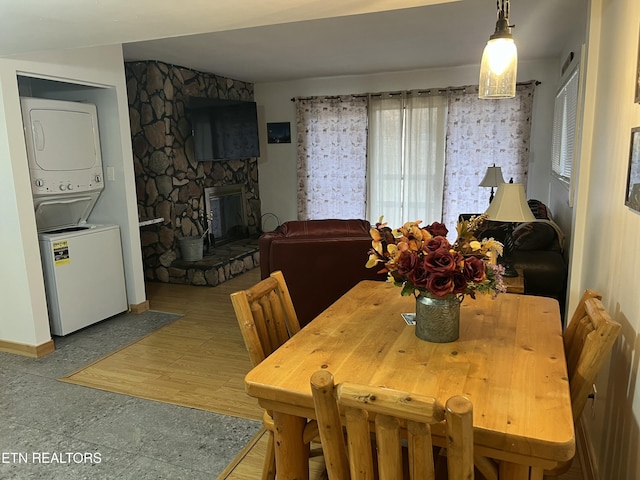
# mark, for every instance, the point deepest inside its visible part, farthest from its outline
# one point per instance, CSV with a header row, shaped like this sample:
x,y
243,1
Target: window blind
x,y
564,128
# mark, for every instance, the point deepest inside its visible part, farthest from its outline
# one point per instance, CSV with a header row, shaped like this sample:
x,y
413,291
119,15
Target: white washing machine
x,y
84,276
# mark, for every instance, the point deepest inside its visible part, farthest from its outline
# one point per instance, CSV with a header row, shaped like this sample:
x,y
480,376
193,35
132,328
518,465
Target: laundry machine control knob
x,y
39,182
98,179
69,187
63,188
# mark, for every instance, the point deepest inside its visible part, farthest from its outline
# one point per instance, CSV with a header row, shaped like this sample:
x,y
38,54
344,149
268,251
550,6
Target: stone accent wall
x,y
169,181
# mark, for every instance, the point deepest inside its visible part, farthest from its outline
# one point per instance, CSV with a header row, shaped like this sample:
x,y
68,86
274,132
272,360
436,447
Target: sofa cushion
x,y
533,236
324,228
545,272
539,209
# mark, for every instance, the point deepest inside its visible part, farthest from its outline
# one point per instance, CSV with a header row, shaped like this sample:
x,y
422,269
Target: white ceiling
x,y
258,41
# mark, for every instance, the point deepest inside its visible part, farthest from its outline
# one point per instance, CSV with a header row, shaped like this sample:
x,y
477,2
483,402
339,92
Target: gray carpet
x,y
56,430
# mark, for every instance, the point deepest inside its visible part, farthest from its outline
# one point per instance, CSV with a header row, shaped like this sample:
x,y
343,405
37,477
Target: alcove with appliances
x,y
72,134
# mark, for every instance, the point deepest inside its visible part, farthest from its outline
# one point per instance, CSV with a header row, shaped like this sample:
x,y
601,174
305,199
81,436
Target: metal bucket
x,y
191,248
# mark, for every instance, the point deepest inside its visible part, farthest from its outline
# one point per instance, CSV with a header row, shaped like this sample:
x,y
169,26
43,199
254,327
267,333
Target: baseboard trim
x,y
586,453
241,455
34,351
139,308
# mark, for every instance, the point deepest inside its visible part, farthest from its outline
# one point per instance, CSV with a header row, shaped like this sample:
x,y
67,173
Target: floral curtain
x,y
332,157
482,133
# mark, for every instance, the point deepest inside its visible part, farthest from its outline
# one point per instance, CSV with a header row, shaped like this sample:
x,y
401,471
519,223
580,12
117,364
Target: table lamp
x,y
509,206
492,178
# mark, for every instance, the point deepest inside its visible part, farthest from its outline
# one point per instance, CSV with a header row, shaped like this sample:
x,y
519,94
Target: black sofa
x,y
538,252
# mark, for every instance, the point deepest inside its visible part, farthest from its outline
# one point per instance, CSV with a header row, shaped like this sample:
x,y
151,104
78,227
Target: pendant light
x,y
500,59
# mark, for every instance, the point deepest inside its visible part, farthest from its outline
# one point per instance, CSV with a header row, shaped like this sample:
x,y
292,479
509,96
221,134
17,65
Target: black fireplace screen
x,y
225,212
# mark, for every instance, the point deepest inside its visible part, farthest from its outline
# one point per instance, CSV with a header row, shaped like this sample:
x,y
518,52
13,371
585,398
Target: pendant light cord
x,y
505,9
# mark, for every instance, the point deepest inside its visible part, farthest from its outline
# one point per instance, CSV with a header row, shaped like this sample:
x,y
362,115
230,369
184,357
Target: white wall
x,y
101,69
561,194
607,233
24,317
277,166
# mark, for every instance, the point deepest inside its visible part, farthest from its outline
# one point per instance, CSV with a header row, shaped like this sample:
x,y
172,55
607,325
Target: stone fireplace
x,y
171,184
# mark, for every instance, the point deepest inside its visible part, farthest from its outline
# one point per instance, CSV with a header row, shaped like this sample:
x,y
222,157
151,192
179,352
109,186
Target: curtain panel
x,y
410,155
481,133
332,157
406,157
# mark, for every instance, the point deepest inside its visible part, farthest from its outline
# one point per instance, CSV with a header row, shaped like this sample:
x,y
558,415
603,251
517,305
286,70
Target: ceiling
x,y
280,40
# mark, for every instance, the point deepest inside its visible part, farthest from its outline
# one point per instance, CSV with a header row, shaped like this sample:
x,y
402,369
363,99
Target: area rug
x,y
175,364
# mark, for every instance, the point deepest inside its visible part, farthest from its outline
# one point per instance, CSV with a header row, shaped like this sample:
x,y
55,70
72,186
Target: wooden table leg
x,y
536,473
513,471
292,454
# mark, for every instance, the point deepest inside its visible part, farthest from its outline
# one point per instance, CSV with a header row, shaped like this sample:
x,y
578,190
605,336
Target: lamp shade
x,y
498,69
510,204
492,178
499,66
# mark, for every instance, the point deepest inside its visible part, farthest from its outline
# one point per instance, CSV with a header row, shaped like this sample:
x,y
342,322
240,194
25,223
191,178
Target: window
x,y
413,155
407,138
564,128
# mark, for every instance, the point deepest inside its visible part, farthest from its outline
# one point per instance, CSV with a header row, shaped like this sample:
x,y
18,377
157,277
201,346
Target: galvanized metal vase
x,y
437,319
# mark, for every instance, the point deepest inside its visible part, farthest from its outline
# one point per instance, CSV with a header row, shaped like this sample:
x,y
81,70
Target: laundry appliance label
x,y
61,252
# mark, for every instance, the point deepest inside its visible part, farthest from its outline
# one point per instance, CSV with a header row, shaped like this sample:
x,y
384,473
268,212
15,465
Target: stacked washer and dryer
x,y
82,263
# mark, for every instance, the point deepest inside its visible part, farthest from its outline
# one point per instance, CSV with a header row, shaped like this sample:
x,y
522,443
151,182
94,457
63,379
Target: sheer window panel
x,y
406,157
384,177
425,149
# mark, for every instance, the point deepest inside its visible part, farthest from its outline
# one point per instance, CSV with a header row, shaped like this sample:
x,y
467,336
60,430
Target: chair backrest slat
x,y
360,457
389,447
421,461
266,316
593,338
396,415
578,314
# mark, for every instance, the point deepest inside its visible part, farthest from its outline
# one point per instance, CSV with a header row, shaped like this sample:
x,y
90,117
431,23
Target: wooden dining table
x,y
509,361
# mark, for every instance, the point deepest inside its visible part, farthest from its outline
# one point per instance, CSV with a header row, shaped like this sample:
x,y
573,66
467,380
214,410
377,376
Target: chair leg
x,y
269,468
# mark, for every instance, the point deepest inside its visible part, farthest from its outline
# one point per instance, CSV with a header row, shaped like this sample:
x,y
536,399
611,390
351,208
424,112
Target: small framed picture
x,y
632,199
279,132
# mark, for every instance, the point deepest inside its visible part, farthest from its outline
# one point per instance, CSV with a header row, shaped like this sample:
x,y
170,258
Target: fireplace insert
x,y
226,214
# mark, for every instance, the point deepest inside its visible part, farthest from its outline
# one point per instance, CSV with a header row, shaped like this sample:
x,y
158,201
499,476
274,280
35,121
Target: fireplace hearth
x,y
232,259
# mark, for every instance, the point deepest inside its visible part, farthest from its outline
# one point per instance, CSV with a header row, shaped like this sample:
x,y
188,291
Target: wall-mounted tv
x,y
224,129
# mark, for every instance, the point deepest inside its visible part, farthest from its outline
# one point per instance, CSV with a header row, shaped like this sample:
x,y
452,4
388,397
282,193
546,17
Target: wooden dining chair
x,y
392,412
266,316
588,340
267,319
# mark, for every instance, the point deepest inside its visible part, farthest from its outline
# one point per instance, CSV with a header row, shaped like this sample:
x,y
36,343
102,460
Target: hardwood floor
x,y
209,309
207,347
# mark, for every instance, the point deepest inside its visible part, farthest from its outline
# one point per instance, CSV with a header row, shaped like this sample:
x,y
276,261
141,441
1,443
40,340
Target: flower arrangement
x,y
421,259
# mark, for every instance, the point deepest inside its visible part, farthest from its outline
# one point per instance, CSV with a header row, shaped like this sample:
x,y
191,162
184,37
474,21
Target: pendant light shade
x,y
499,66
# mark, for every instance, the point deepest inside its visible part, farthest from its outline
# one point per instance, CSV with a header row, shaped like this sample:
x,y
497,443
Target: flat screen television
x,y
224,129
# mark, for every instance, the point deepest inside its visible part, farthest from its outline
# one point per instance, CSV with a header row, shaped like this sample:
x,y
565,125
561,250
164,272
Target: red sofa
x,y
320,261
